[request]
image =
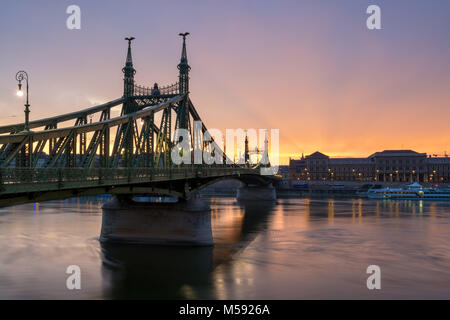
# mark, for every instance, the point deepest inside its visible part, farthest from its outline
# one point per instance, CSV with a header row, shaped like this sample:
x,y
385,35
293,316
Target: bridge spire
x,y
246,152
129,72
184,67
265,157
127,130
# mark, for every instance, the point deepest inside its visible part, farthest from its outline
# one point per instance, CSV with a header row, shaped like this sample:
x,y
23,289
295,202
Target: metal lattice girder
x,y
123,143
96,140
114,159
90,127
61,118
70,147
144,146
61,151
38,151
12,151
162,147
172,89
183,114
152,99
82,136
196,117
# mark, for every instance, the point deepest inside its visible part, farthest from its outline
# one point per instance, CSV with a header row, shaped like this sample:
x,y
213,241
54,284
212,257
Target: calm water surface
x,y
291,249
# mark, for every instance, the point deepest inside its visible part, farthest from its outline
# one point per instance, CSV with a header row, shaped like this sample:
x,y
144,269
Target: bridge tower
x,y
129,72
124,144
184,68
246,151
265,162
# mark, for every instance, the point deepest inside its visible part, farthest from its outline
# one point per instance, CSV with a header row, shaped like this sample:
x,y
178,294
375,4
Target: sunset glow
x,y
310,69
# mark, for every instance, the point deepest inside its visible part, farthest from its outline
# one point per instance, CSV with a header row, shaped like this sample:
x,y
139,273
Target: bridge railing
x,y
18,176
146,91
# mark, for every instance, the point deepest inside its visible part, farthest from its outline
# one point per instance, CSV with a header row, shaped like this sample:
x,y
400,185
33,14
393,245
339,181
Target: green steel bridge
x,y
126,154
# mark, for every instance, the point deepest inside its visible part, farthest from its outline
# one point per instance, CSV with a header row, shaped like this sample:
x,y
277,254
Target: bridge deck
x,y
60,183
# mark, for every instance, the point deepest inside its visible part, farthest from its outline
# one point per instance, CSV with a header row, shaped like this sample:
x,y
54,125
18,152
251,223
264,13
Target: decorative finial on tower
x,y
184,35
129,71
129,58
184,67
183,52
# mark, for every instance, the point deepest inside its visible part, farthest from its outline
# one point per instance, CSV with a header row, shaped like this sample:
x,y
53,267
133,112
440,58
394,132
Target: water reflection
x,y
149,272
291,249
309,248
331,208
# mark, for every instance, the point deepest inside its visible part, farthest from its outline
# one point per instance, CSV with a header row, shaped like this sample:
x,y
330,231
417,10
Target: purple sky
x,y
310,68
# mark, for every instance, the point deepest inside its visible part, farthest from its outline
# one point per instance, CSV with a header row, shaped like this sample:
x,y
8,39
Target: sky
x,y
309,68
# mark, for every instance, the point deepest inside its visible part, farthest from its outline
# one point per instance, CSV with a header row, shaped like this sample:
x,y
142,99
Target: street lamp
x,y
20,76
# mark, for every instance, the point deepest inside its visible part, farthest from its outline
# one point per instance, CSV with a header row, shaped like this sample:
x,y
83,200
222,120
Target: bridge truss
x,y
53,155
142,133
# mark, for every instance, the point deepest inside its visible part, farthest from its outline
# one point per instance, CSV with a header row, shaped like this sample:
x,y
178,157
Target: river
x,y
304,248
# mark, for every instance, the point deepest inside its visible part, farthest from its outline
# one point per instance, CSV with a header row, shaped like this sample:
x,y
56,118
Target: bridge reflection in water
x,y
135,271
296,248
141,271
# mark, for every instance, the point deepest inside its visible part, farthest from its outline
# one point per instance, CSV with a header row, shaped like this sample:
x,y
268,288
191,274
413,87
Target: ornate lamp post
x,y
21,76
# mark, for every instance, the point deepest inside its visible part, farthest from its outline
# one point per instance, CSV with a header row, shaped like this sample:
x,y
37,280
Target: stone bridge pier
x,y
256,192
186,222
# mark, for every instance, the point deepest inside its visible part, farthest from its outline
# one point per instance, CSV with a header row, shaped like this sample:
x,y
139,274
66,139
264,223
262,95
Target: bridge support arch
x,y
187,222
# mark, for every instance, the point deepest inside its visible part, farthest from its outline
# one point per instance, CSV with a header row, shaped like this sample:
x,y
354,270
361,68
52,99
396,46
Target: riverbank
x,y
228,188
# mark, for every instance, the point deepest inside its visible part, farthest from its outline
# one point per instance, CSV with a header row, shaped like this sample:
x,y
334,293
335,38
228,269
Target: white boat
x,y
412,191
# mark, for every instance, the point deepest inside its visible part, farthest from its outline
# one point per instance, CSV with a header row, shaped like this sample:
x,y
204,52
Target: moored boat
x,y
412,191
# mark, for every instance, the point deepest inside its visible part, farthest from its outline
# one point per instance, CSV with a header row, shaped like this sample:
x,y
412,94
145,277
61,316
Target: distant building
x,y
385,166
283,171
297,169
